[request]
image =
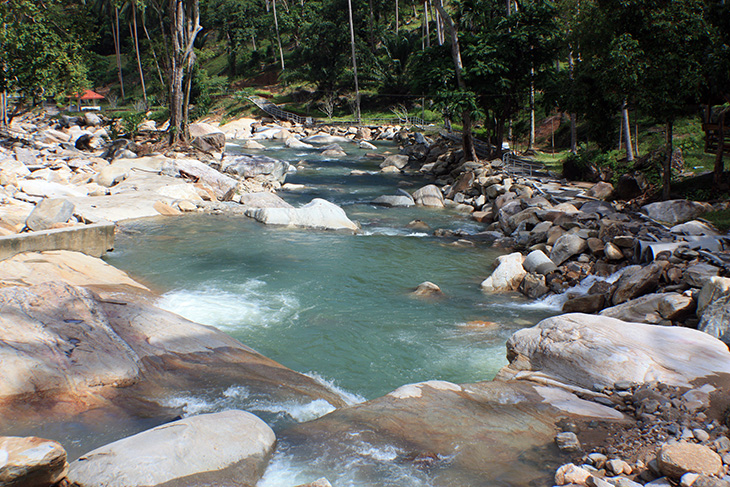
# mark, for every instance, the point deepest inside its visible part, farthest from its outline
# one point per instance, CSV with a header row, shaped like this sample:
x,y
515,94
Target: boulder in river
x,y
227,448
566,247
507,276
249,166
429,196
207,137
597,351
636,281
397,160
318,213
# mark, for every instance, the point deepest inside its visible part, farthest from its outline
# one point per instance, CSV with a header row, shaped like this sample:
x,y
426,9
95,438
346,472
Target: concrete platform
x,y
94,240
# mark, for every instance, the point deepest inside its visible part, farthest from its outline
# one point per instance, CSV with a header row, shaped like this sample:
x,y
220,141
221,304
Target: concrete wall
x,y
93,240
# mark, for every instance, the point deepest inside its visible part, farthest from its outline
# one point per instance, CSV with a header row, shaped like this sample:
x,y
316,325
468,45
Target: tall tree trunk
x,y
719,163
354,63
439,29
396,17
467,137
184,28
531,143
636,135
135,37
426,32
573,116
117,49
371,25
627,130
278,38
667,173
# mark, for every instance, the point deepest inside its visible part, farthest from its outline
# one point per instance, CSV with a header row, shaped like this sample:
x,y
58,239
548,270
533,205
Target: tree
x,y
42,56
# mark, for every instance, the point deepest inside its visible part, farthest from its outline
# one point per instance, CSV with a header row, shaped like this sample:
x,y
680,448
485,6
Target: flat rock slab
x,y
588,351
318,213
488,433
230,448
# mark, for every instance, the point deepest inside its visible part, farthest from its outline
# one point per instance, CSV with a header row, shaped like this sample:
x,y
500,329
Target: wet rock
x,y
590,303
675,211
636,281
252,145
533,286
249,166
398,161
294,143
652,308
263,199
402,199
713,289
707,481
676,459
165,209
229,446
427,289
31,462
49,212
566,247
318,213
429,196
507,276
586,350
715,318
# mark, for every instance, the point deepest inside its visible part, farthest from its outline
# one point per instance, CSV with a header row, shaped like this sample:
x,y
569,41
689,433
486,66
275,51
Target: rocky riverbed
x,y
630,386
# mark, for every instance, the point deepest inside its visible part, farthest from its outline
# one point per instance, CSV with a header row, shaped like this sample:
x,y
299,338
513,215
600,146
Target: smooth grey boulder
x,y
429,196
318,213
397,160
636,281
715,318
48,212
675,211
588,350
249,166
400,199
694,227
325,139
223,449
566,247
223,186
698,274
294,143
31,462
537,261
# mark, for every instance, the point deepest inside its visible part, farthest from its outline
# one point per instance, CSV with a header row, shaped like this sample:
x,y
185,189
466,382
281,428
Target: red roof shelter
x,y
88,95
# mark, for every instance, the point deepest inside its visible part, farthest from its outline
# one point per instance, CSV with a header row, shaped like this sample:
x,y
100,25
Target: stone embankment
x,y
612,397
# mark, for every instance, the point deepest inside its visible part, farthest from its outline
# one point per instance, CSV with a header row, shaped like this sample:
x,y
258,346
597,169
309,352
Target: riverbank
x,y
469,434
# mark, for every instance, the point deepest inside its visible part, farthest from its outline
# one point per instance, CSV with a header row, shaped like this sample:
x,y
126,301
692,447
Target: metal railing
x,y
522,166
277,112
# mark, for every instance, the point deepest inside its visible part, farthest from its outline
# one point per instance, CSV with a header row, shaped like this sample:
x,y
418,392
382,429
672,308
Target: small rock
x,y
700,435
688,479
49,212
165,209
612,252
598,459
427,289
617,466
676,459
707,481
322,482
571,474
567,441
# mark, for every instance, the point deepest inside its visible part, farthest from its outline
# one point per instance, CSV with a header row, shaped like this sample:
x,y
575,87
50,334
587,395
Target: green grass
x,y
719,218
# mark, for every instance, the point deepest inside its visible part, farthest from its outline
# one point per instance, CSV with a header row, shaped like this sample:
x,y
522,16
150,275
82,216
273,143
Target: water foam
x,y
300,413
233,306
348,397
556,301
191,405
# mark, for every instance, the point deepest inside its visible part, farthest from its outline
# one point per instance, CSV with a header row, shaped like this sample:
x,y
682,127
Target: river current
x,y
333,305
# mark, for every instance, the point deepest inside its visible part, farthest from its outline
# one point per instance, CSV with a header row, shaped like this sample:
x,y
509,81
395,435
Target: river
x,y
333,305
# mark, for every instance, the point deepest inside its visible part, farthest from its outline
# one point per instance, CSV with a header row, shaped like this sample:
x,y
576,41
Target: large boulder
x,y
537,261
222,185
652,308
225,449
507,276
429,196
31,462
207,137
676,459
597,351
400,199
675,211
249,166
68,349
318,213
397,160
566,247
49,212
636,281
263,199
325,139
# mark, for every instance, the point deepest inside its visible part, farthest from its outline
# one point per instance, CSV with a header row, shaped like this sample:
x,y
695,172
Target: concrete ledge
x,y
92,240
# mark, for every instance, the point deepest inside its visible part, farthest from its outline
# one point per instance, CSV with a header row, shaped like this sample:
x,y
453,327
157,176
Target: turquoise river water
x,y
333,305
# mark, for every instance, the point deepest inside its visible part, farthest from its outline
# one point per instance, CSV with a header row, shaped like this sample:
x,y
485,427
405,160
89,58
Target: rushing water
x,y
332,304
